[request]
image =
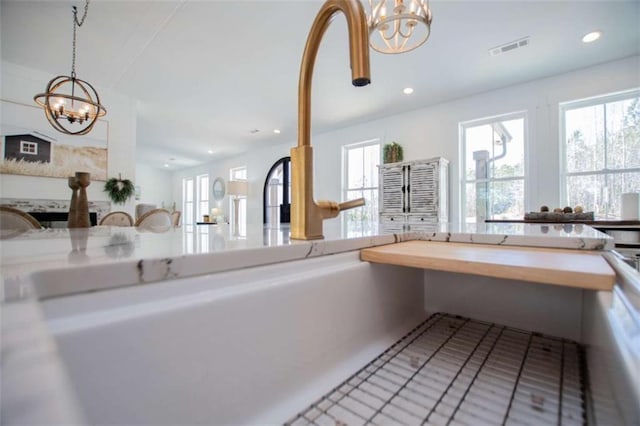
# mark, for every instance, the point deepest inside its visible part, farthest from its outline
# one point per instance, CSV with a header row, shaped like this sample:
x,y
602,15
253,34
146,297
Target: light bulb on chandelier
x,y
71,105
398,26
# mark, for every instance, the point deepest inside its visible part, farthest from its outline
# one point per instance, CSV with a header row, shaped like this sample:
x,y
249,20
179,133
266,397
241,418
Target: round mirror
x,y
218,189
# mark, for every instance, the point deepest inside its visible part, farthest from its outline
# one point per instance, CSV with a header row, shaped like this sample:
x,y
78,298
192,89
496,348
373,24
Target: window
x,y
28,148
493,176
360,163
239,173
202,196
600,152
187,200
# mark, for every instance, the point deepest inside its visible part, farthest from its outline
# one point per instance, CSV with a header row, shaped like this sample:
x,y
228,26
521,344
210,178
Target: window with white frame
x,y
600,152
493,178
27,147
187,201
202,185
239,173
360,179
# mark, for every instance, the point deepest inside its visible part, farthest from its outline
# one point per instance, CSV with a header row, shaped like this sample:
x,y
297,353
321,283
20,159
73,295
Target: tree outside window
x,y
601,152
493,181
360,179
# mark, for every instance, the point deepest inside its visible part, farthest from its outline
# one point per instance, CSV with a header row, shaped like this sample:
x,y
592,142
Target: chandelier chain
x,y
77,23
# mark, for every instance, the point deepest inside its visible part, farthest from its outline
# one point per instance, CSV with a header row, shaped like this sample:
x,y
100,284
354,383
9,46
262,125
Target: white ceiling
x,y
208,72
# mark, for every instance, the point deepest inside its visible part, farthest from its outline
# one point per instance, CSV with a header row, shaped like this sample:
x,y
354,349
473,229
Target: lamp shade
x,y
238,187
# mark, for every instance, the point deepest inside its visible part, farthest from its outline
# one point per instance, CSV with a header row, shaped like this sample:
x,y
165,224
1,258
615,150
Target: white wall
x,y
155,186
433,131
258,163
20,84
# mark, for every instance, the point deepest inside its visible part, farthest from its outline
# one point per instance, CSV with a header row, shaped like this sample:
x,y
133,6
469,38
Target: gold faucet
x,y
307,214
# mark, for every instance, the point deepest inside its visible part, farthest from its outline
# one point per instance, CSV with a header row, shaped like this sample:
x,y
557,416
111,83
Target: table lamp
x,y
237,189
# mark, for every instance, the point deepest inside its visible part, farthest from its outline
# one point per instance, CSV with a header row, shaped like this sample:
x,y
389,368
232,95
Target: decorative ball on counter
x,y
578,209
567,210
557,210
544,208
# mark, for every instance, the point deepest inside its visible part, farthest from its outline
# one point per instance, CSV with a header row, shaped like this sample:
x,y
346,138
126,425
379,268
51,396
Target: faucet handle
x,y
331,209
351,204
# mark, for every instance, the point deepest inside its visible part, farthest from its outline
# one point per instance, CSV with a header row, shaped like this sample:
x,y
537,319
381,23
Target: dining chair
x,y
143,208
117,218
11,218
156,220
175,217
14,222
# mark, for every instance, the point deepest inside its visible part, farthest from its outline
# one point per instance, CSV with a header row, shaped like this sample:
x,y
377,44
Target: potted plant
x,y
392,153
119,190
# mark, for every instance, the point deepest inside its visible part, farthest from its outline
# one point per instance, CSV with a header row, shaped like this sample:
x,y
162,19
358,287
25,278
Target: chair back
x,y
117,219
175,217
143,208
14,222
157,220
11,218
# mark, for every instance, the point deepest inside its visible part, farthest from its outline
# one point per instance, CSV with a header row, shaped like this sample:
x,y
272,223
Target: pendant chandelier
x,y
397,26
71,105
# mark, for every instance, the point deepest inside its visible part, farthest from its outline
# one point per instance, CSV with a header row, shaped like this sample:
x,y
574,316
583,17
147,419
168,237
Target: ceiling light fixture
x,y
166,165
276,131
210,151
407,90
592,36
397,26
68,101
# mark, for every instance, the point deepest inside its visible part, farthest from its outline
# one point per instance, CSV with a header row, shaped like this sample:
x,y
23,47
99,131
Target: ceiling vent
x,y
499,50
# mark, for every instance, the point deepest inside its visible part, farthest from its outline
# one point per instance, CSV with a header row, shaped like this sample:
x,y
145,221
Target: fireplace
x,y
59,219
54,213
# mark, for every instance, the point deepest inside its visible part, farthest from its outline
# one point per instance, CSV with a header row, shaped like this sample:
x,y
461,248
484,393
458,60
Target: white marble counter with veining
x,y
54,262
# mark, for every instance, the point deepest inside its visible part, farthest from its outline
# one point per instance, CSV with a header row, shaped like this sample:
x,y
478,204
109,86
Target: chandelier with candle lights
x,y
71,105
397,26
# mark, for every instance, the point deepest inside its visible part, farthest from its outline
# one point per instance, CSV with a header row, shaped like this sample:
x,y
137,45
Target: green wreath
x,y
119,190
392,153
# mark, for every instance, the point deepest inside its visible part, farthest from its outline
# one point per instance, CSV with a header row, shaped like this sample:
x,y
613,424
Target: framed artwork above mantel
x,y
30,146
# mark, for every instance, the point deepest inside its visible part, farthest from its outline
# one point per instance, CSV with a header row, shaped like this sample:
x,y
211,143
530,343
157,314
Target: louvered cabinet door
x,y
392,189
423,188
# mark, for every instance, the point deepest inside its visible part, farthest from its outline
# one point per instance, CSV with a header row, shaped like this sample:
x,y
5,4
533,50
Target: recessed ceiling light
x,y
407,90
210,151
591,37
166,165
276,131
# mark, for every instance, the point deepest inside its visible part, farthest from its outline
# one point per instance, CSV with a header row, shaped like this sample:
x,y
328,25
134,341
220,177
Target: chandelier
x,y
71,105
397,26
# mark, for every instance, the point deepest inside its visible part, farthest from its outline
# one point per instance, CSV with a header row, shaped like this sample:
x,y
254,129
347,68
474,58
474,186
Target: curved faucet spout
x,y
358,54
306,214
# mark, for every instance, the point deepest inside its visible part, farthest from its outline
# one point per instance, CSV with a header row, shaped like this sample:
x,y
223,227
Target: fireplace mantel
x,y
56,209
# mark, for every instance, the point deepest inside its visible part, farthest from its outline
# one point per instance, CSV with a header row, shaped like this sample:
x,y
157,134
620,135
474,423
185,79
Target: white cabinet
x,y
414,192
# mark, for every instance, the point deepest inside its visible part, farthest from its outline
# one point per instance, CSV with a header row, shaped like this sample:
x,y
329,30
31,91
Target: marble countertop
x,y
55,262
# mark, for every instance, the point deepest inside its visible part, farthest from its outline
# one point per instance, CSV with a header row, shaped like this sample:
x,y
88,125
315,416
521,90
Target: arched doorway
x,y
277,193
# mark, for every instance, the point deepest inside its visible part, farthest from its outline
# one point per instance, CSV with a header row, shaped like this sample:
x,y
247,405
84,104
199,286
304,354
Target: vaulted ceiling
x,y
207,73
